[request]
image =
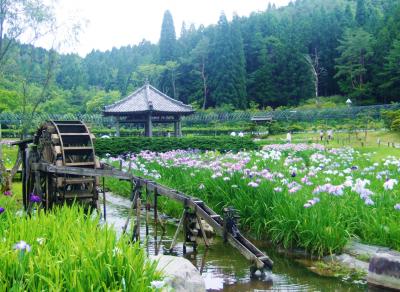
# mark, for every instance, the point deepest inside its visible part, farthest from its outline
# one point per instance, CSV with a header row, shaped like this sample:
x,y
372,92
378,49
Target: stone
x,y
384,270
181,275
352,262
361,250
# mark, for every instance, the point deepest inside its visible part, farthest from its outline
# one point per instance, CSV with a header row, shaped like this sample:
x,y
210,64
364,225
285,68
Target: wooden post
x,y
173,242
134,194
202,230
179,127
138,209
176,133
104,200
47,191
148,126
147,213
155,213
117,130
24,176
185,226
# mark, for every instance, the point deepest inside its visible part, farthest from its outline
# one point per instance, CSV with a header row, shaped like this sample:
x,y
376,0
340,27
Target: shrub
x,y
120,145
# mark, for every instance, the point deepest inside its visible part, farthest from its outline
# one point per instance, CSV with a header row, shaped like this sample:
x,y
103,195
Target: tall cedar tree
x,y
239,63
361,12
167,39
227,73
168,54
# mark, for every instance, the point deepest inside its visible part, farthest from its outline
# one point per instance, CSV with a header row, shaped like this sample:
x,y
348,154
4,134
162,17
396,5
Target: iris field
x,y
295,195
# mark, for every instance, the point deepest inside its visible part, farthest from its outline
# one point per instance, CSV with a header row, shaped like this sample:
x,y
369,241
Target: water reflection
x,y
223,267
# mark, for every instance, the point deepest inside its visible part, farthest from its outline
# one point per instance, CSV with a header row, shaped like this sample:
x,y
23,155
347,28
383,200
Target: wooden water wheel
x,y
62,143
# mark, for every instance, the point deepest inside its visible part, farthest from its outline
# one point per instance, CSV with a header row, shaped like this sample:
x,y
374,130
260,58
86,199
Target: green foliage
x,y
96,103
361,12
257,59
356,50
392,67
116,146
69,252
389,117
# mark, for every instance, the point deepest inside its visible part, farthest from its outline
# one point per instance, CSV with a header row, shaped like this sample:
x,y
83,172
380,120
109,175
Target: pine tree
x,y
167,39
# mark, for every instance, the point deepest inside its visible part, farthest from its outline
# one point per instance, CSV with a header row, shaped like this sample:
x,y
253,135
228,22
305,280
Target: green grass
x,y
9,155
69,252
340,139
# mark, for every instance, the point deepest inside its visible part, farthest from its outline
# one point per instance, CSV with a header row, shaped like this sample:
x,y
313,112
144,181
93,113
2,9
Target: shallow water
x,y
222,266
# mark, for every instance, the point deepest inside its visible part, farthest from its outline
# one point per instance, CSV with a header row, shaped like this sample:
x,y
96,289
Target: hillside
x,y
278,57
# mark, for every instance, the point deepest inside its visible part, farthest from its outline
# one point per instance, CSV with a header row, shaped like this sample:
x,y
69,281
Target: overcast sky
x,y
115,23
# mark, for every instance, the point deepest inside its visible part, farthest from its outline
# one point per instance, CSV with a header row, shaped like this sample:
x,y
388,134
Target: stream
x,y
223,267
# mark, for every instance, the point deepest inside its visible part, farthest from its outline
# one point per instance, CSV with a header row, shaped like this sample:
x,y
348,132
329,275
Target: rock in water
x,y
384,270
182,275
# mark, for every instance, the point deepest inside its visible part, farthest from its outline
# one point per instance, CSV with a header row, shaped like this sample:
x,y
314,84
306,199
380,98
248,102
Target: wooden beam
x,y
245,247
45,167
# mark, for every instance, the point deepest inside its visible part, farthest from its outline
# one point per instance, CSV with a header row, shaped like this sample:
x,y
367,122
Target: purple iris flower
x,y
22,246
397,207
8,193
2,210
293,174
354,167
35,199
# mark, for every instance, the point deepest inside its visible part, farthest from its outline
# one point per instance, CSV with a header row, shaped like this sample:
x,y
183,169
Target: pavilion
x,y
147,106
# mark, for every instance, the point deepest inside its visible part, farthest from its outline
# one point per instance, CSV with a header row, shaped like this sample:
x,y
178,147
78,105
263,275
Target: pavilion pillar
x,y
175,128
117,130
178,127
148,126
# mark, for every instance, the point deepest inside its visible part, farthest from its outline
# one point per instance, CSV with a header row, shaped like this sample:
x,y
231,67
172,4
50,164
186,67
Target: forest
x,y
280,57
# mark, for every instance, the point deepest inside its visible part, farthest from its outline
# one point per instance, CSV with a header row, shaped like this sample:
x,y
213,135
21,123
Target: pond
x,y
222,266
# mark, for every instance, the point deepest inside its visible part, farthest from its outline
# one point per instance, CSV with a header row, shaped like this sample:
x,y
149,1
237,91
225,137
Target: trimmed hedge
x,y
116,146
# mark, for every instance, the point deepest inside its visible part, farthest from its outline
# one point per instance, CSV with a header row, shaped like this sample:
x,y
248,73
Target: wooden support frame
x,y
245,247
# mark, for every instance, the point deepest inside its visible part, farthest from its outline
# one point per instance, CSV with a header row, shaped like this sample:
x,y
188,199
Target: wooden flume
x,y
44,174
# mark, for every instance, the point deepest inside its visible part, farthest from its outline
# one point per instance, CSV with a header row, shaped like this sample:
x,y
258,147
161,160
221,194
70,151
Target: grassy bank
x,y
66,250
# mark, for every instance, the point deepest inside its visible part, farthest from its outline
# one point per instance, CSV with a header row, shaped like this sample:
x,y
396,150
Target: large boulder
x,y
180,273
384,270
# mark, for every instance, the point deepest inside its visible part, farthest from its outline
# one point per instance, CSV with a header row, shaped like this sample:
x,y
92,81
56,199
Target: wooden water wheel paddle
x,y
62,143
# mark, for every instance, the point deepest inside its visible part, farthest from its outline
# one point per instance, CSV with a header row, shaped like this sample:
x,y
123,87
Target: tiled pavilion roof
x,y
145,99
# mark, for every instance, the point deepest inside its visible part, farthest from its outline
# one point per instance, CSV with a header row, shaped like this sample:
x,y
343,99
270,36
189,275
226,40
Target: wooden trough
x,y
49,173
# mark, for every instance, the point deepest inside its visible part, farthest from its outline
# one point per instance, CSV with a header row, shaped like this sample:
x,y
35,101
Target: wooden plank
x,y
75,134
79,163
22,142
79,148
81,171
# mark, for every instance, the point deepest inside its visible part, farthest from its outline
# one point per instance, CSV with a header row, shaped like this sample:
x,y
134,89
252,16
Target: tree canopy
x,y
277,57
